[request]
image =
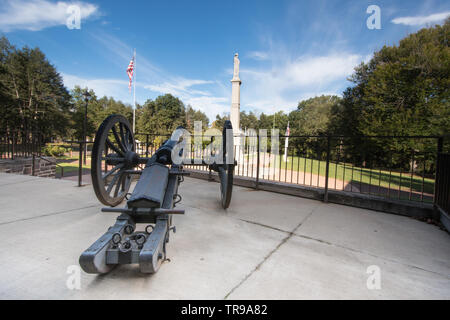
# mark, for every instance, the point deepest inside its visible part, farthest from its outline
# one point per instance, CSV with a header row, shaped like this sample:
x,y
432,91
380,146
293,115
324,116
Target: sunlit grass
x,y
374,177
71,166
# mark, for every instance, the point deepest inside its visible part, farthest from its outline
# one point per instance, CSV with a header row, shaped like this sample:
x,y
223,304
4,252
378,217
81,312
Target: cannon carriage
x,y
152,202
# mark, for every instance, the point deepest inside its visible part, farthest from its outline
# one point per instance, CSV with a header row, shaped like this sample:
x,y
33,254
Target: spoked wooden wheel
x,y
113,155
226,170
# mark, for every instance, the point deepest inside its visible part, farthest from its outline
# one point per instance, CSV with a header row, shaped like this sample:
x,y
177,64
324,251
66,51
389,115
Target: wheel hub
x,y
131,159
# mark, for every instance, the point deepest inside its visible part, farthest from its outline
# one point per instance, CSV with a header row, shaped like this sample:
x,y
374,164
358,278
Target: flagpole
x,y
134,93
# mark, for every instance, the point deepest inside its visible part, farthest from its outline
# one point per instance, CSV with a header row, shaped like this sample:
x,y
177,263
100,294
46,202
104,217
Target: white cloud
x,y
285,82
102,87
179,86
258,55
318,70
36,15
421,20
210,105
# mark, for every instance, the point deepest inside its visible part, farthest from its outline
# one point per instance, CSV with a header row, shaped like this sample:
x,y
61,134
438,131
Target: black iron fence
x,y
20,144
442,199
409,168
392,167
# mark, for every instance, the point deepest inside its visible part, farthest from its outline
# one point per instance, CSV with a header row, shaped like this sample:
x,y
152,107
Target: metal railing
x,y
82,149
391,167
20,144
442,199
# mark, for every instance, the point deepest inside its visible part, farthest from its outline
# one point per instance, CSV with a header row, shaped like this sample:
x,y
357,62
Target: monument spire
x,y
235,96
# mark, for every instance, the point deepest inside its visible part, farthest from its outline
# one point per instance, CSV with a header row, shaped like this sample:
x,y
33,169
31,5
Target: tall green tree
x,y
193,115
6,98
249,121
32,91
78,109
162,115
106,106
313,117
220,121
265,121
402,90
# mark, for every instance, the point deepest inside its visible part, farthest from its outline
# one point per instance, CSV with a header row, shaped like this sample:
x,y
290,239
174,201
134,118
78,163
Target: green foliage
x,y
33,98
32,93
78,109
158,141
265,121
54,150
313,117
97,111
162,115
195,115
108,106
402,90
220,121
249,121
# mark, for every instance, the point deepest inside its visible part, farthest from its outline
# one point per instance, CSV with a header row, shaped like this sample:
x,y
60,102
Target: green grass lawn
x,y
68,157
71,166
373,177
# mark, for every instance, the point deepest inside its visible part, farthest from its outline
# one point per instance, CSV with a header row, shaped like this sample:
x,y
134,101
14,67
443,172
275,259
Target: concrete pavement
x,y
266,245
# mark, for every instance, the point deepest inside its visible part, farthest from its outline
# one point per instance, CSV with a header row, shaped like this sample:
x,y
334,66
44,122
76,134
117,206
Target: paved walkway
x,y
265,245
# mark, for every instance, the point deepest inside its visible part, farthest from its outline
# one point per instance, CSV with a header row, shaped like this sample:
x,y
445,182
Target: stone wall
x,y
42,168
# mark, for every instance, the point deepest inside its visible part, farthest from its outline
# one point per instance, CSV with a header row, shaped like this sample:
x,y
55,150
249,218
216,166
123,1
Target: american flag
x,y
130,70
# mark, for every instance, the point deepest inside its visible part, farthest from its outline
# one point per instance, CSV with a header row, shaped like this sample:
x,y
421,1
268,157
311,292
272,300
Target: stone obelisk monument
x,y
235,100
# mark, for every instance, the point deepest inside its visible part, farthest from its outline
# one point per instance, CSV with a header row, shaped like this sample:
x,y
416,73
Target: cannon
x,y
115,163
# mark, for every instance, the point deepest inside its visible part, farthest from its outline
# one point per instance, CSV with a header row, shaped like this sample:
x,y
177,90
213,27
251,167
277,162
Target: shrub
x,y
54,150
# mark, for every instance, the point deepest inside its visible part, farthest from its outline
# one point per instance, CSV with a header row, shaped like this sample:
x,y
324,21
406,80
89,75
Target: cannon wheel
x,y
226,170
113,153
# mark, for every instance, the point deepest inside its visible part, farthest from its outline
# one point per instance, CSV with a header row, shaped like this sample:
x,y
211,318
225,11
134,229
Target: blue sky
x,y
289,50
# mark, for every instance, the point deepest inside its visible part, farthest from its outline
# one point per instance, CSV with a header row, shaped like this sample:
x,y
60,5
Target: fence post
x,y
440,143
210,178
257,162
146,145
40,144
33,165
80,164
85,151
13,147
327,170
8,146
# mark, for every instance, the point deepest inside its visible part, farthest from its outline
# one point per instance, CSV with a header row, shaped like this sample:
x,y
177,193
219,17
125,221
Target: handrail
x,y
80,156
